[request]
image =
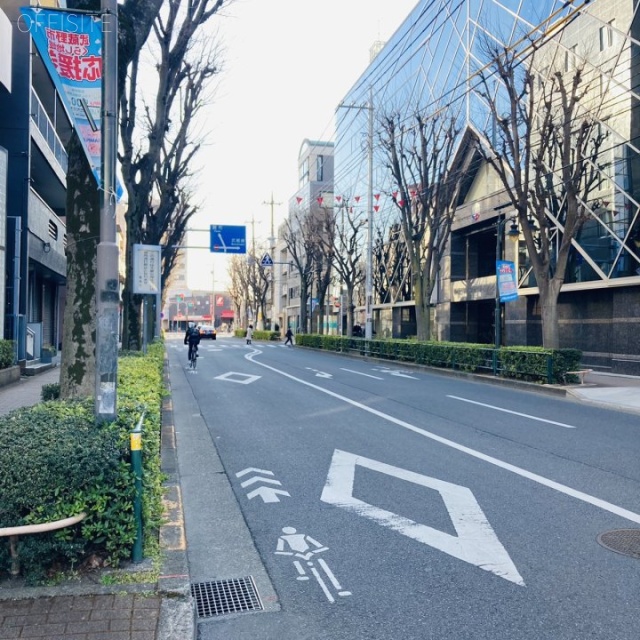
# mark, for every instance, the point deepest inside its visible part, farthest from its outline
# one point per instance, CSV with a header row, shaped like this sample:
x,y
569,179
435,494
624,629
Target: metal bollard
x,y
136,465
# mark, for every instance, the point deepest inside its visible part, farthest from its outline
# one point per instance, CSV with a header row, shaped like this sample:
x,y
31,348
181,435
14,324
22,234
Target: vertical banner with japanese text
x,y
507,282
70,45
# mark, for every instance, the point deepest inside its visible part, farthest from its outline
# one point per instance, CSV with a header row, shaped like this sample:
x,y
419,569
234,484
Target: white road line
x,y
322,584
515,413
361,374
334,581
534,477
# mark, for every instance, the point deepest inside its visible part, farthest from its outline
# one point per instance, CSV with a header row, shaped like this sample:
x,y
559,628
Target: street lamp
x,y
513,234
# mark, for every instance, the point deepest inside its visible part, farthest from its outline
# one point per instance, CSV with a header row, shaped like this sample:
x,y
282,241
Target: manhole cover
x,y
624,541
225,596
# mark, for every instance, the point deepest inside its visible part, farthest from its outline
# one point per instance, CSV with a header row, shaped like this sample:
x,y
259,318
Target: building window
x,y
570,59
304,172
606,35
320,168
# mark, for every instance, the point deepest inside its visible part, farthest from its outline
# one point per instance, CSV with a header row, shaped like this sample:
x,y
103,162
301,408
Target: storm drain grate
x,y
226,596
624,541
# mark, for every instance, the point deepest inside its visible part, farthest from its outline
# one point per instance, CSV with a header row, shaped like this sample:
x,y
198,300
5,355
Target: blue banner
x,y
70,45
507,280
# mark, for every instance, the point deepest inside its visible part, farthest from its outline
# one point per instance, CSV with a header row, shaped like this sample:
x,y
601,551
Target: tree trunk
x,y
549,316
132,327
78,364
423,315
303,308
349,311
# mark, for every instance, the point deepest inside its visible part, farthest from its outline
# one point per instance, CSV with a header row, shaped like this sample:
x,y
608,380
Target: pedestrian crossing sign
x,y
266,260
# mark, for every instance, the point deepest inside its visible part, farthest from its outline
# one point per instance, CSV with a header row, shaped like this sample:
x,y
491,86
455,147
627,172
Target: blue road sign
x,y
228,239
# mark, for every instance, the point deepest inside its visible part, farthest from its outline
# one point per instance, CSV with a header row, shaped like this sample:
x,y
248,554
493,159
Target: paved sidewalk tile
x,y
86,617
27,391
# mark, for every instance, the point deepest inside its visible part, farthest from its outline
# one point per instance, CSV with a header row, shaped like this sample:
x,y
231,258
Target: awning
x,y
227,315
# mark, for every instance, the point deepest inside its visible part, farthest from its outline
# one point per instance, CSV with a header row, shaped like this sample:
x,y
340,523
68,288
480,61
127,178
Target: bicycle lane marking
x,y
534,477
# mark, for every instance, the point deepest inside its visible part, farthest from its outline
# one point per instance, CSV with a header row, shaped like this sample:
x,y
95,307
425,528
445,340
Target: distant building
x,y
314,197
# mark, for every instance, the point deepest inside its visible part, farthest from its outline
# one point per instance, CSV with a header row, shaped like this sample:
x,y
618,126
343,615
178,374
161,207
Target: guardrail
x,y
14,532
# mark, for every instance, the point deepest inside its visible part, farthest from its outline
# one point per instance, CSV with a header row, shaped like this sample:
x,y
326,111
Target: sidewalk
x,y
85,609
163,610
609,390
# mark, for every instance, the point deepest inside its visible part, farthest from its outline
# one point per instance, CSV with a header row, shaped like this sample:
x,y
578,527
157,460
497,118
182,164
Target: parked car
x,y
207,331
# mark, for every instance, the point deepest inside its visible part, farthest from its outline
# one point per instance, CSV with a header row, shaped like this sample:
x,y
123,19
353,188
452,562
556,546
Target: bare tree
x,y
419,158
239,286
77,371
390,265
156,172
257,284
343,249
301,236
545,152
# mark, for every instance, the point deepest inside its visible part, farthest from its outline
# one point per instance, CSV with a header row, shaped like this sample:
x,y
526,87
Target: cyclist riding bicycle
x,y
192,338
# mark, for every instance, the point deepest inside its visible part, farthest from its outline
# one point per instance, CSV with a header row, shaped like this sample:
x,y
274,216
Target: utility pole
x,y
369,263
368,329
272,239
252,222
107,281
272,246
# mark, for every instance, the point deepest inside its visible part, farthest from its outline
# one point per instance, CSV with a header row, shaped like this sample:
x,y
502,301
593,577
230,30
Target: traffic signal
x,y
179,297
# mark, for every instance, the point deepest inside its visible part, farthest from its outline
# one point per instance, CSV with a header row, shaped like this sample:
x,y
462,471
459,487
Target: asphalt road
x,y
376,502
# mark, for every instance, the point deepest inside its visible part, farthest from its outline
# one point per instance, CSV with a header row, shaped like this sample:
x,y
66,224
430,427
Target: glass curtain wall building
x,y
432,64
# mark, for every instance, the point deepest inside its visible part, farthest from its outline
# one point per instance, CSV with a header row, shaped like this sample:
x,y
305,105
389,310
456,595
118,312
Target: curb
x,y
177,614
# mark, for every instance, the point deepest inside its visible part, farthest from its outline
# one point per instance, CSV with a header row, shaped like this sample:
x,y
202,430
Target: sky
x,y
286,66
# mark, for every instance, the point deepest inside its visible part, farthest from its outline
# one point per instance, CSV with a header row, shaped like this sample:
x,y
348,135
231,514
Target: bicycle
x,y
193,357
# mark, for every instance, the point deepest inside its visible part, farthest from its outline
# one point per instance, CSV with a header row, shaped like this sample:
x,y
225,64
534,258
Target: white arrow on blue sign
x,y
266,260
228,238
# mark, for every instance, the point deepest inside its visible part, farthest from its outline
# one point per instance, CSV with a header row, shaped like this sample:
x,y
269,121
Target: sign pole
x,y
107,281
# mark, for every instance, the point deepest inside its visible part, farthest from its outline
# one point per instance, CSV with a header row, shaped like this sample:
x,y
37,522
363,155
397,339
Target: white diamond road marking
x,y
476,542
240,378
501,464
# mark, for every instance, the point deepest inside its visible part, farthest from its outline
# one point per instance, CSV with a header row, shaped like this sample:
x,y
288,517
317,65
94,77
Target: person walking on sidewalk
x,y
249,334
289,337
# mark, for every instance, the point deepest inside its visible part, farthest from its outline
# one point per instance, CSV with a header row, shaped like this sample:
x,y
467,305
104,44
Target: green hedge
x,y
258,335
57,462
534,364
7,354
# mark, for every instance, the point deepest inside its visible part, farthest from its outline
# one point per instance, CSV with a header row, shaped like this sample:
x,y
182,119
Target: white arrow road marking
x,y
255,479
253,470
268,494
515,413
397,373
476,542
501,464
320,374
361,374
